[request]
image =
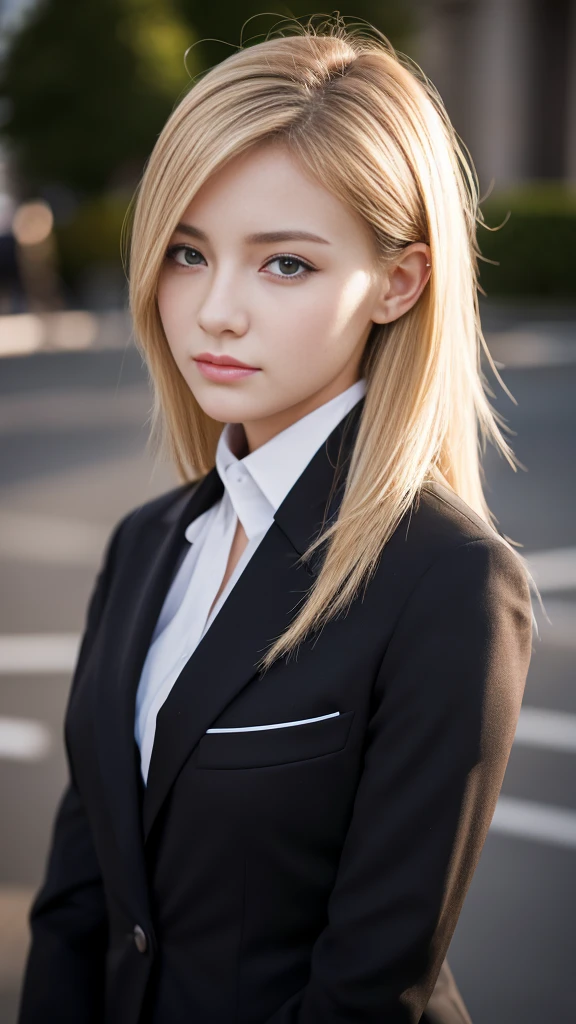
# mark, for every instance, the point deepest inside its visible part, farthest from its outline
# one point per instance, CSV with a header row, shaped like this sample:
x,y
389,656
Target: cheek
x,y
329,318
173,303
296,312
299,337
305,350
351,303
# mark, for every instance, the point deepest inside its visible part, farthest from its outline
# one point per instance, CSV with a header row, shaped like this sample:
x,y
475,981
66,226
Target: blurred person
x,y
302,669
12,295
11,290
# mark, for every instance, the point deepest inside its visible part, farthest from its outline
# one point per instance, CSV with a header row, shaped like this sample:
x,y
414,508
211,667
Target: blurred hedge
x,y
91,237
536,247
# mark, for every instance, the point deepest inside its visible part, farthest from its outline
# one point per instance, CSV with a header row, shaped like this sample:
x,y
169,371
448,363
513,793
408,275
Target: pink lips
x,y
223,371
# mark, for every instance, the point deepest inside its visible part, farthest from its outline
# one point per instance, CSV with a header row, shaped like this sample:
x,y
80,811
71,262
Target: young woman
x,y
302,669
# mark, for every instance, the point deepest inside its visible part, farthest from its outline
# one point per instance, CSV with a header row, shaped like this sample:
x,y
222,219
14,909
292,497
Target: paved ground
x,y
73,459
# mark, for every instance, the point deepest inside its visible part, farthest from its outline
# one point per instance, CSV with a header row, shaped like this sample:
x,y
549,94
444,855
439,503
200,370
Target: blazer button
x,y
140,940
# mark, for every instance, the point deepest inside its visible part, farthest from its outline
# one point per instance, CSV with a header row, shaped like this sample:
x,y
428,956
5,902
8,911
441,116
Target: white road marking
x,y
68,330
554,569
561,630
20,334
550,730
529,820
534,345
38,653
23,739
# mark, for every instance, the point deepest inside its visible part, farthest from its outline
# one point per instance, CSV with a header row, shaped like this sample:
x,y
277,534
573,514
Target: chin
x,y
222,411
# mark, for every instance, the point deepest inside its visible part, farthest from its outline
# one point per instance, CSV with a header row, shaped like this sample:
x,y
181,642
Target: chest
x,y
245,770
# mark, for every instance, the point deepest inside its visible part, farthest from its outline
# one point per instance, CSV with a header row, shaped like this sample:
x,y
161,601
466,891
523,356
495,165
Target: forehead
x,y
267,188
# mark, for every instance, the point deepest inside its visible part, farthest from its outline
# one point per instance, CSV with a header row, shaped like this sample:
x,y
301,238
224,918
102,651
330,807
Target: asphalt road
x,y
73,459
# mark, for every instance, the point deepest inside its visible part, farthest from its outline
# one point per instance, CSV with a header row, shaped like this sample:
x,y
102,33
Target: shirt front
x,y
254,488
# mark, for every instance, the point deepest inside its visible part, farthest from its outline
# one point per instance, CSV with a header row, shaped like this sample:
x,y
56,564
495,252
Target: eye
x,y
188,256
289,265
187,253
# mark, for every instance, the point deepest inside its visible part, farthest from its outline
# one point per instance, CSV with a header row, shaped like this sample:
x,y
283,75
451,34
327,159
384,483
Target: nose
x,y
222,309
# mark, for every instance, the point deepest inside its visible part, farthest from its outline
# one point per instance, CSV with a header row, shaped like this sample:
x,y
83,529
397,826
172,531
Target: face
x,y
269,269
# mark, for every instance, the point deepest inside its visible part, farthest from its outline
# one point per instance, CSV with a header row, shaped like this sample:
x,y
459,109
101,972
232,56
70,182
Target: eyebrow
x,y
260,237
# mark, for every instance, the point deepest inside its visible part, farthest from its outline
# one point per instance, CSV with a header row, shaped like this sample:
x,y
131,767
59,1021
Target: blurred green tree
x,y
220,24
89,86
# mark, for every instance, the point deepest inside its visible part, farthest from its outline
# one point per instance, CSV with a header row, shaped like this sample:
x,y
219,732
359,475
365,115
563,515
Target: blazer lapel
x,y
260,606
132,619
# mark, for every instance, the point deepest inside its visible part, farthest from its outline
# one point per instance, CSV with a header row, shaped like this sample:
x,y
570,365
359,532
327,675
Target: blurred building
x,y
506,70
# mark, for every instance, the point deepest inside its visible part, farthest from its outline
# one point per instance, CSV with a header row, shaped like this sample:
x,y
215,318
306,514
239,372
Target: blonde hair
x,y
371,128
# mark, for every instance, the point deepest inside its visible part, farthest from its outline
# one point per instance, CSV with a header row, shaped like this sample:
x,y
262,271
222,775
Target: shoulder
x,y
162,510
441,522
441,519
443,543
165,508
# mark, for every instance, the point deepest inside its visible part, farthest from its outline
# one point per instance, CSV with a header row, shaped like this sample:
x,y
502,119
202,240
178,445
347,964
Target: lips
x,y
216,360
223,372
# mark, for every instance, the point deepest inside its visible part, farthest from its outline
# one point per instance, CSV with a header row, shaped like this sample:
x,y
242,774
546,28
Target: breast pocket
x,y
274,744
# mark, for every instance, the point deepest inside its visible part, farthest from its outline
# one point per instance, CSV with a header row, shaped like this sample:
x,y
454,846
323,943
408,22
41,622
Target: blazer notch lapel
x,y
260,607
131,619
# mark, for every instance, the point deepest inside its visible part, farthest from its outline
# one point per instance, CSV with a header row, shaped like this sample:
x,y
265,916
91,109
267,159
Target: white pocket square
x,y
276,725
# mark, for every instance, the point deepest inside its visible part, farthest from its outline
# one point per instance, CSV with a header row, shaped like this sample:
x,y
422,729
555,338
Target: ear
x,y
402,283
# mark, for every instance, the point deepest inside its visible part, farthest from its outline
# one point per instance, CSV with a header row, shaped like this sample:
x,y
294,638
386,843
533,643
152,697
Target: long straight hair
x,y
369,126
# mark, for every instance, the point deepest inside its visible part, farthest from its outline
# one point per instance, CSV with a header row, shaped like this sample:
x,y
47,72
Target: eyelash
x,y
308,269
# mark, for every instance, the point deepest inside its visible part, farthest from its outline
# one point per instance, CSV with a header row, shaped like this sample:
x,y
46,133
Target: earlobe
x,y
405,282
381,310
386,307
379,316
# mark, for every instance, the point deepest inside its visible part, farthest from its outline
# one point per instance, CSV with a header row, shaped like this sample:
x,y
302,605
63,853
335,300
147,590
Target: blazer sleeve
x,y
64,977
446,704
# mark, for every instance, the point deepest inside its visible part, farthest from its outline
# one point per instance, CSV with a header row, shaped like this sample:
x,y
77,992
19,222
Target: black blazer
x,y
311,874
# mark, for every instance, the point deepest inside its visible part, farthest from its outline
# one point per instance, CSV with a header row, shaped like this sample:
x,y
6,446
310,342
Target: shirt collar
x,y
258,483
277,465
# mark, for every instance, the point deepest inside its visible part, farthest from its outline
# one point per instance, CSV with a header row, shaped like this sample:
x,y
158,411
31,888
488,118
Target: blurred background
x,y
84,91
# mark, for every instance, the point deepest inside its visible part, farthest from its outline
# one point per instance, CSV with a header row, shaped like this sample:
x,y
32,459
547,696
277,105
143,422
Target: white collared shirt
x,y
254,488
